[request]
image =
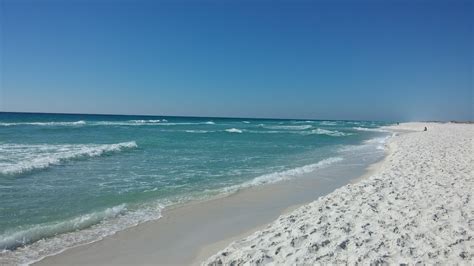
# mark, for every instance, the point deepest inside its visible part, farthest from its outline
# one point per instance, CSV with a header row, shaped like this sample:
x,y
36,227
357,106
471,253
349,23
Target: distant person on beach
x,y
426,129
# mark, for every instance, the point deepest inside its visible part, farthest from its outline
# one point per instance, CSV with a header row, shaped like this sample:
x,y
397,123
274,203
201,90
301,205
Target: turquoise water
x,y
70,179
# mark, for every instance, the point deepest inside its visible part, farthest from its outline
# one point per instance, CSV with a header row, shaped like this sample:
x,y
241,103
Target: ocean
x,y
70,179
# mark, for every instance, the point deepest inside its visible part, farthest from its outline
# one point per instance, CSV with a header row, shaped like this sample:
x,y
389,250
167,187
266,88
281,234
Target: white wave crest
x,y
81,122
285,175
379,143
139,122
334,133
270,132
369,129
197,131
303,122
234,130
302,127
37,232
76,123
57,237
146,121
163,122
21,158
246,122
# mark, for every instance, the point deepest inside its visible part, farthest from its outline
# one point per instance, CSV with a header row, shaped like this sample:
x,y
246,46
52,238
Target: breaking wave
x,y
76,123
302,127
333,133
21,158
285,175
197,131
59,236
140,122
146,121
234,130
369,129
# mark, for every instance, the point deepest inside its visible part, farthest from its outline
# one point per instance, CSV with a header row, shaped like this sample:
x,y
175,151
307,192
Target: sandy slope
x,y
418,207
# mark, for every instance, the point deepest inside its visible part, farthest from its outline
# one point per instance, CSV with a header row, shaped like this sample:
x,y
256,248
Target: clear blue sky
x,y
384,60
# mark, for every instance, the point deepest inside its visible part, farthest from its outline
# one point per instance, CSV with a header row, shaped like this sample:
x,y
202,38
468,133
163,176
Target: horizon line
x,y
194,116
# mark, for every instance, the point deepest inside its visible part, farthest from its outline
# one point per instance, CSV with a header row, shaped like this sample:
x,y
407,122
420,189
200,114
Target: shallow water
x,y
76,178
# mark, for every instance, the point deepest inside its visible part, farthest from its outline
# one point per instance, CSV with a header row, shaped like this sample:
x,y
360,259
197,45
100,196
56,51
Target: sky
x,y
370,60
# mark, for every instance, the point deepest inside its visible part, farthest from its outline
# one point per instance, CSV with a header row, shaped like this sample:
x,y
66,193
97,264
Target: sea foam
x,y
284,175
76,123
197,131
21,158
334,133
40,231
369,129
234,130
289,127
379,143
26,246
146,121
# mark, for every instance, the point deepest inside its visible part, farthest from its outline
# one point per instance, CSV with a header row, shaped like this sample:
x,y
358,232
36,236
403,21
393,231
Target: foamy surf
x,y
197,131
76,123
234,130
141,121
21,158
379,143
289,127
162,122
370,129
334,133
16,239
284,175
27,246
135,122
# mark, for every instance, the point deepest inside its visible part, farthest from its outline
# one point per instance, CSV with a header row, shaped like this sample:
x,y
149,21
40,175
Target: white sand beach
x,y
416,208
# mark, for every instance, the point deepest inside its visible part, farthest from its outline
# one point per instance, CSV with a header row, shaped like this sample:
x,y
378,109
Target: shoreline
x,y
414,209
309,186
211,249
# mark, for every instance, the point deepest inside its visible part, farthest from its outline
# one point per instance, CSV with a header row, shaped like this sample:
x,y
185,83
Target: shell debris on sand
x,y
417,208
